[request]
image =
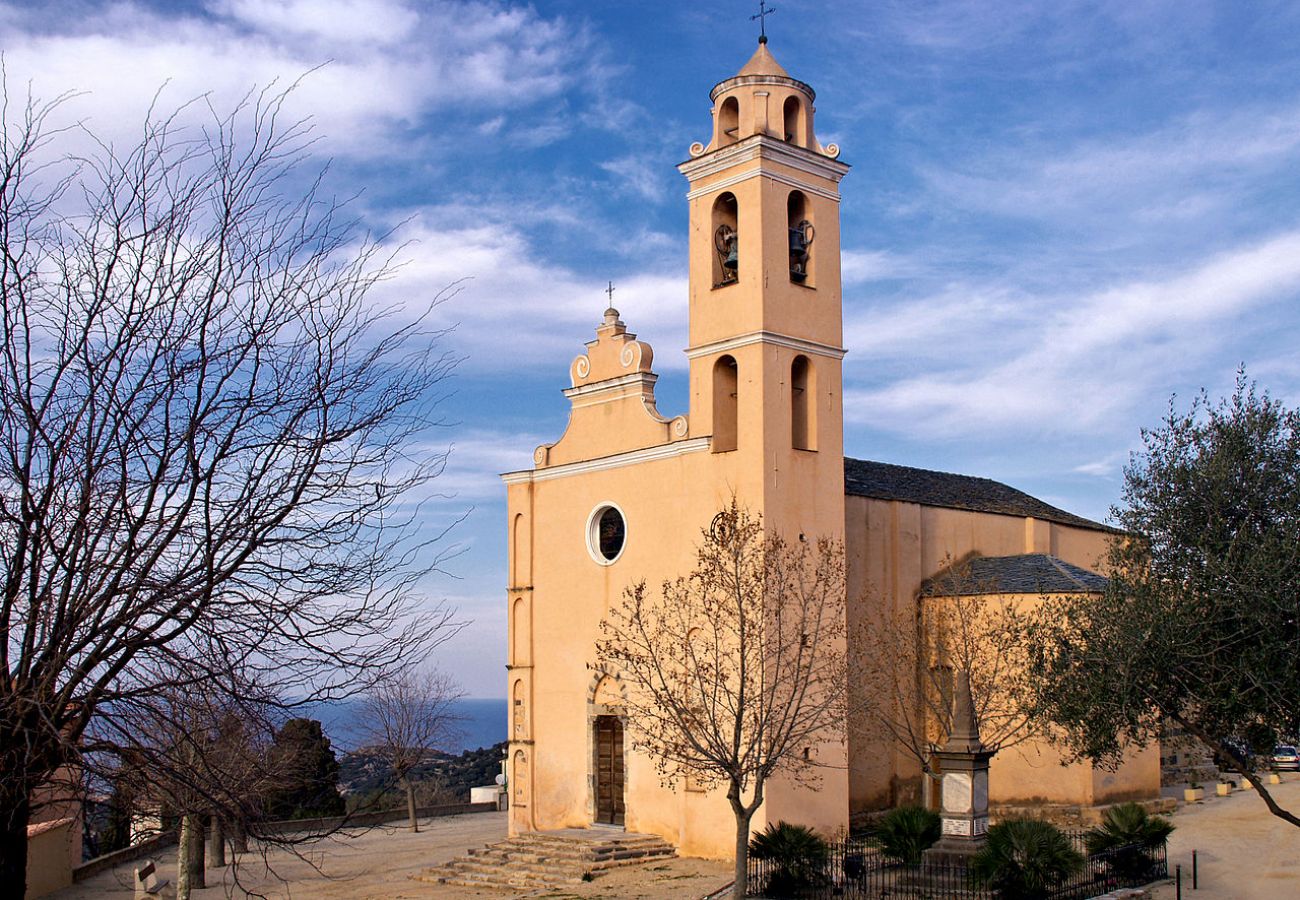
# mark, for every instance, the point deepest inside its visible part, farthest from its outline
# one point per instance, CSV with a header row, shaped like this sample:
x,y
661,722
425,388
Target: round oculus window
x,y
606,534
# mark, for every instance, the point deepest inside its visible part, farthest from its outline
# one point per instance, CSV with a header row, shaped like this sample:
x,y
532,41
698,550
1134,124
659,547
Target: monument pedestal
x,y
964,761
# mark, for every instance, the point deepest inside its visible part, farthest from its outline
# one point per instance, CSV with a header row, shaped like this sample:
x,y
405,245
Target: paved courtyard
x,y
376,864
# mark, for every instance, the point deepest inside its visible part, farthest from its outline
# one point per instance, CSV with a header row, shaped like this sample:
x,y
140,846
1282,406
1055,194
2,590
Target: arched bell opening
x,y
792,117
726,240
728,122
726,405
800,233
803,406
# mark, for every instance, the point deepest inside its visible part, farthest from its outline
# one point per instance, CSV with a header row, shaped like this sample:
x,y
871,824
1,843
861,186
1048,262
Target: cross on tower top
x,y
610,291
763,12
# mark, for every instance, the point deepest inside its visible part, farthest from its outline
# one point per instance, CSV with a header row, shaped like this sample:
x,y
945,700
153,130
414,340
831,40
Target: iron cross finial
x,y
763,12
610,291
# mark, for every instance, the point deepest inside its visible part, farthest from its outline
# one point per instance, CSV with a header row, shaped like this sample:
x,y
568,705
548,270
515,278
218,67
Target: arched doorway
x,y
609,769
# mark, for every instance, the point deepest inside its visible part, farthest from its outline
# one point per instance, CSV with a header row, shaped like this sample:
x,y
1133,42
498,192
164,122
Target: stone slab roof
x,y
886,481
1030,573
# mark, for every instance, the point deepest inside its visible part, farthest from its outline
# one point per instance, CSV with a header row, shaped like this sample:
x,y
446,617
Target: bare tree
x,y
737,666
199,754
209,436
903,677
409,716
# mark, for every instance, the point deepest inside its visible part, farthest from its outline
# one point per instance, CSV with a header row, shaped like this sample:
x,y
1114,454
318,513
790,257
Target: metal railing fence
x,y
854,868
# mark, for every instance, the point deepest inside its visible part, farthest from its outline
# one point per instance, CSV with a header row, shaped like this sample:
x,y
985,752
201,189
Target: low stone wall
x,y
379,817
1076,816
145,848
286,826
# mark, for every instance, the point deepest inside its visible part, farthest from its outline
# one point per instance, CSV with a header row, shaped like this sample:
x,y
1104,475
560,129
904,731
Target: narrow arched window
x,y
728,121
521,573
726,240
519,626
801,233
803,403
792,116
518,712
726,385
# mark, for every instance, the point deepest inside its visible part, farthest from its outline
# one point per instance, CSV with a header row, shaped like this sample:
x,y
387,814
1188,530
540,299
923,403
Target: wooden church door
x,y
609,770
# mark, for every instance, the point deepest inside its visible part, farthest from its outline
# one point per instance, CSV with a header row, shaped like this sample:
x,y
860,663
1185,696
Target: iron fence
x,y
855,868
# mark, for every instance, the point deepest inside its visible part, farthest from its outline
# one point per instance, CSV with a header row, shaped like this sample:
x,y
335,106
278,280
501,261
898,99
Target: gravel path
x,y
1243,852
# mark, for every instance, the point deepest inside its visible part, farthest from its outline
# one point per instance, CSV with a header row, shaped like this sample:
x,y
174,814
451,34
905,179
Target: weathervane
x,y
763,13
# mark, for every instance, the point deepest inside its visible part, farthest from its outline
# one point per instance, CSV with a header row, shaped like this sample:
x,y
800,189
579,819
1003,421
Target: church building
x,y
625,492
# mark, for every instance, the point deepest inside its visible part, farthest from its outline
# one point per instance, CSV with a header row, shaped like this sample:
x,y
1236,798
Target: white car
x,y
1285,757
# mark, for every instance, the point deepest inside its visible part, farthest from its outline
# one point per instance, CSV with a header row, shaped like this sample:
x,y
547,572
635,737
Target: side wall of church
x,y
893,546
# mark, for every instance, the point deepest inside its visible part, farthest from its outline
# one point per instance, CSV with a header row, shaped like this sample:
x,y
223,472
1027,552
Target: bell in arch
x,y
727,243
801,238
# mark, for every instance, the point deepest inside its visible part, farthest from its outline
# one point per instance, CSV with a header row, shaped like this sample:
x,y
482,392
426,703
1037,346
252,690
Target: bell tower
x,y
765,300
766,332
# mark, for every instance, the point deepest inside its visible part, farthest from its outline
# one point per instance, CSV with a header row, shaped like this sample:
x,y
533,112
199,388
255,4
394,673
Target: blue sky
x,y
1058,216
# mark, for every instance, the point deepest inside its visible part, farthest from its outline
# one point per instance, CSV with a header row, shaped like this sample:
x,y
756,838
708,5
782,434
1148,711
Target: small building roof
x,y
1029,573
886,481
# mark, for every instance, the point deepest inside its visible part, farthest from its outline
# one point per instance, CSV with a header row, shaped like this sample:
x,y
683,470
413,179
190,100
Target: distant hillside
x,y
364,771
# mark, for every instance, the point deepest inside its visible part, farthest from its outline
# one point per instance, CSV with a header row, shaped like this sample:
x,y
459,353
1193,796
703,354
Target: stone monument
x,y
964,762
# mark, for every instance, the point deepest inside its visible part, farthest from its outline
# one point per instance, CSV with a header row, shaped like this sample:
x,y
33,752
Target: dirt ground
x,y
1243,852
376,864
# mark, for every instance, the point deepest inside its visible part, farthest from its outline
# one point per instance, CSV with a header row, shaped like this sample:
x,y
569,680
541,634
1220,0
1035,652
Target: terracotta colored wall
x,y
894,547
53,848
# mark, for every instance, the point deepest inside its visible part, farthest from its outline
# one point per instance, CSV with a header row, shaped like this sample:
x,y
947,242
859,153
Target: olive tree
x,y
1200,624
733,669
209,432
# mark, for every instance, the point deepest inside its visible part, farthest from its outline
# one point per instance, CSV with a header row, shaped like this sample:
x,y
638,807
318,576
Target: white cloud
x,y
377,67
336,21
1181,172
1086,364
519,310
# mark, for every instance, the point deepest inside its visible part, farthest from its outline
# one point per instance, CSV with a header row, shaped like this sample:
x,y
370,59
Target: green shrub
x,y
1127,832
906,832
1024,859
798,858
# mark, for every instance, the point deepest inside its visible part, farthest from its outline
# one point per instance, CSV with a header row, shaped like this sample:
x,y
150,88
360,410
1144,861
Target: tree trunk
x,y
216,843
410,804
239,837
184,847
741,884
13,843
189,856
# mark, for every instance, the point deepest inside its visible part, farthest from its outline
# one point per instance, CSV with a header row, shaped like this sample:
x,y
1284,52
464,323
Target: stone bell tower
x,y
766,326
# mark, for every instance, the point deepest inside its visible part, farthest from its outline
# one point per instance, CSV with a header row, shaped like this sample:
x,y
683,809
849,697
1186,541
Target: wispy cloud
x,y
1086,364
379,68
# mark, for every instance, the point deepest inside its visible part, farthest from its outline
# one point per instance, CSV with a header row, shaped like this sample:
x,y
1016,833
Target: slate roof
x,y
886,481
1031,573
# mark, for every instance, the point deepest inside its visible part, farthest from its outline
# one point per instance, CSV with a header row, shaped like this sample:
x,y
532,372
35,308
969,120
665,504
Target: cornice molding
x,y
766,337
764,147
618,460
610,384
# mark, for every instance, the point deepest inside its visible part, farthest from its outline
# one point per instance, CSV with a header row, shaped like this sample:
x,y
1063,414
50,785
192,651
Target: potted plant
x,y
1224,787
1193,793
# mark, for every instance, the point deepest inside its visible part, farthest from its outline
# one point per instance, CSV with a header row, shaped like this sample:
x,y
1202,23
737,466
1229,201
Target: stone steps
x,y
549,859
